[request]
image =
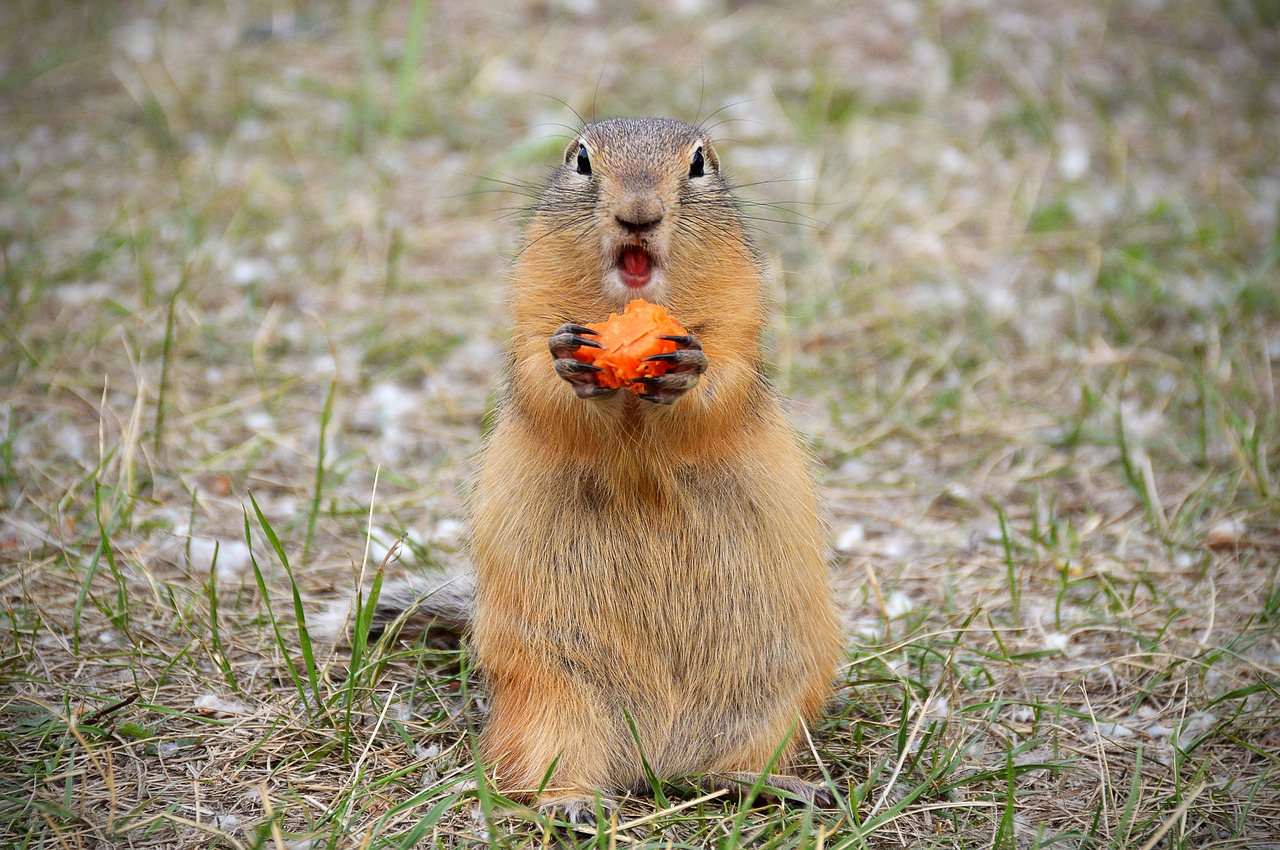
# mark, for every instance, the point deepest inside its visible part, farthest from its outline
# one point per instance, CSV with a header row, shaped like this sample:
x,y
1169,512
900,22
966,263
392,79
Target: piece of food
x,y
628,338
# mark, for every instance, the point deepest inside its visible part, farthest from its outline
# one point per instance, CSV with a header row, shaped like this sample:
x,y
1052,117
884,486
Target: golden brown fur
x,y
660,564
658,561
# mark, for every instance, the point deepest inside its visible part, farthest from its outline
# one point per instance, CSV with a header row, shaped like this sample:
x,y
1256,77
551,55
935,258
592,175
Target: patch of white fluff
x,y
851,538
216,706
227,558
898,604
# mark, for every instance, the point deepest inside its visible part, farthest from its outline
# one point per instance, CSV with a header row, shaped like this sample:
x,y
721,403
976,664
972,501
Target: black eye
x,y
584,161
697,168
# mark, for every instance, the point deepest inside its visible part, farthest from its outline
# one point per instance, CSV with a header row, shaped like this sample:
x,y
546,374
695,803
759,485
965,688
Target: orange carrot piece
x,y
628,338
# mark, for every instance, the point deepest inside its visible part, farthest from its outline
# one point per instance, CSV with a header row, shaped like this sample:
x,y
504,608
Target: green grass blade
x,y
654,783
215,630
407,69
166,367
1011,572
317,491
119,616
1122,837
304,637
734,838
281,644
361,673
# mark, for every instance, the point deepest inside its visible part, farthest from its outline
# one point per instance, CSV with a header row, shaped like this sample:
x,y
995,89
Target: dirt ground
x,y
1027,317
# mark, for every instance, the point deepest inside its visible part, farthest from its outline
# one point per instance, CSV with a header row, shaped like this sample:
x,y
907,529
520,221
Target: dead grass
x,y
1028,315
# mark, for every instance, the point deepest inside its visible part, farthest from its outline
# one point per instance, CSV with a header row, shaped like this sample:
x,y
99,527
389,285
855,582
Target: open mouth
x,y
635,266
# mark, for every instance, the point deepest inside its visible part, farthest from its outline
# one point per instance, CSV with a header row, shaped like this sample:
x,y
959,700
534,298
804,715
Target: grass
x,y
1027,318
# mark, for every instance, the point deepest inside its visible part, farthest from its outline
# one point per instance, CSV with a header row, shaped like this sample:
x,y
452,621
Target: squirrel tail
x,y
439,604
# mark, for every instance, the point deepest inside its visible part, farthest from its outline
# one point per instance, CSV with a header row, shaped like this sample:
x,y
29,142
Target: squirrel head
x,y
637,209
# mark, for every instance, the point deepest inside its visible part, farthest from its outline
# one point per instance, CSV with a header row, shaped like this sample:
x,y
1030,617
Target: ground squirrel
x,y
650,562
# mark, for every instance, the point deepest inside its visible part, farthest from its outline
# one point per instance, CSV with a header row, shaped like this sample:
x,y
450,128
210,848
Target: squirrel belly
x,y
695,604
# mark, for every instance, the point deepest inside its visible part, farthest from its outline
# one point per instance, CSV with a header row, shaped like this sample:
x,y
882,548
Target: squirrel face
x,y
638,200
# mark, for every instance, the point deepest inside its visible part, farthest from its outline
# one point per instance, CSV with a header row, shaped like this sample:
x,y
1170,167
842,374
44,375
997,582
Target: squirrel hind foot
x,y
776,788
578,811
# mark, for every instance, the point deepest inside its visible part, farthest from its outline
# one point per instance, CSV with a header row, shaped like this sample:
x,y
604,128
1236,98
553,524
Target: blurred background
x,y
987,222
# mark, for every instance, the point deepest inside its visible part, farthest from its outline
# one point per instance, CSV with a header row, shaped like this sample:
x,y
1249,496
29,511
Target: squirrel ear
x,y
697,163
710,155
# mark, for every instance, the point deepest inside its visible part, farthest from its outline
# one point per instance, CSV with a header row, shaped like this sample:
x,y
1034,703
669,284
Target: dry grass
x,y
1028,313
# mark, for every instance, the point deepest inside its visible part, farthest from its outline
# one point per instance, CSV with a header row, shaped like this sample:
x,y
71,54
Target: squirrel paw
x,y
777,788
581,376
686,365
578,811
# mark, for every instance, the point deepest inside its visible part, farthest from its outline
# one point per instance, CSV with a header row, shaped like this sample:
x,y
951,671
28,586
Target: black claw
x,y
688,341
588,391
650,397
681,381
579,329
562,341
670,357
584,367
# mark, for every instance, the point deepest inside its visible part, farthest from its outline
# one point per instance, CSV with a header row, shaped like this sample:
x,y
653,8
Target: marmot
x,y
650,562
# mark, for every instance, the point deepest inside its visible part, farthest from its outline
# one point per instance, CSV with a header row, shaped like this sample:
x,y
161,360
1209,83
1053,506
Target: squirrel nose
x,y
639,215
637,227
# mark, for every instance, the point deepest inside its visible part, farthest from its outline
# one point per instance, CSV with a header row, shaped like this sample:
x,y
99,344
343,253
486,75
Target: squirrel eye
x,y
697,166
584,161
